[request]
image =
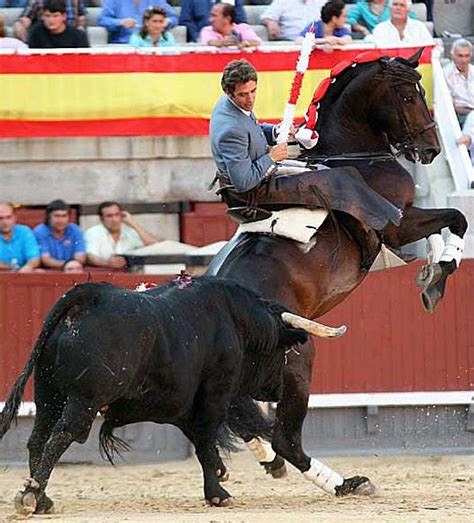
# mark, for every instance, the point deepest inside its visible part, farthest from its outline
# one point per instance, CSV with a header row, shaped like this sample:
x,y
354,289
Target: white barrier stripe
x,y
392,399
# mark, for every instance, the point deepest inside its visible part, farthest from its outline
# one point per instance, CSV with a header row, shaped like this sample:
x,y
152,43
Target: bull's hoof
x,y
428,275
430,298
25,503
218,502
45,506
357,486
277,467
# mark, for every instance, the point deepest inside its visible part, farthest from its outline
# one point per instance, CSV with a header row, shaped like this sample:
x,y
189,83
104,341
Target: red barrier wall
x,y
392,345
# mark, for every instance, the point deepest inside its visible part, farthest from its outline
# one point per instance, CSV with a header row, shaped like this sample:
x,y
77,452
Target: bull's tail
x,y
246,421
77,297
110,445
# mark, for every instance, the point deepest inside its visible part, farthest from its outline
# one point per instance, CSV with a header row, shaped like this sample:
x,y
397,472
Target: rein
x,y
371,157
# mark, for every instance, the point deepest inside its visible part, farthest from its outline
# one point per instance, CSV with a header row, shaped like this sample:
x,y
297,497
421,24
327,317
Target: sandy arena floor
x,y
410,489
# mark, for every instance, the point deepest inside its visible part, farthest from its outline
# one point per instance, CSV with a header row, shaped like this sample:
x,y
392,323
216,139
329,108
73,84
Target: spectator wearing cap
x,y
18,248
58,239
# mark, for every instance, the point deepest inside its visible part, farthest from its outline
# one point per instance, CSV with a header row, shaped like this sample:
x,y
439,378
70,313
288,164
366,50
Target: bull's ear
x,y
414,58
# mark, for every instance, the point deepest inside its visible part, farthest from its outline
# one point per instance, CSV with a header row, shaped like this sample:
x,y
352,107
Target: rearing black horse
x,y
371,107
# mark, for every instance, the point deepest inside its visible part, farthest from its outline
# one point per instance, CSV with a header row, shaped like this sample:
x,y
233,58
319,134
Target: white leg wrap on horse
x,y
324,477
435,248
262,450
454,249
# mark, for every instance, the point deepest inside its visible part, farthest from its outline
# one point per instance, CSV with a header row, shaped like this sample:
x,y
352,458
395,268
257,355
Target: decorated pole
x,y
301,68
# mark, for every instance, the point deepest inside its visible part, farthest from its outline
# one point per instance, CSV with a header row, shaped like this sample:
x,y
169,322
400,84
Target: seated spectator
x,y
118,234
52,32
18,248
153,32
58,239
459,76
366,14
122,18
330,31
224,32
195,15
400,30
285,19
9,43
72,266
467,137
75,17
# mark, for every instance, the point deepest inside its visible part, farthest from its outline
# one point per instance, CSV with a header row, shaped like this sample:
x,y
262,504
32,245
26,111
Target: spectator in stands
x,y
118,234
153,32
121,18
224,32
72,266
459,76
330,31
9,43
75,16
285,19
58,239
195,15
400,30
366,14
467,137
18,248
53,32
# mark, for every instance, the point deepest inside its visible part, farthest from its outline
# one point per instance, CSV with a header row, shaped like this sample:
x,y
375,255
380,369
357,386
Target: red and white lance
x,y
301,68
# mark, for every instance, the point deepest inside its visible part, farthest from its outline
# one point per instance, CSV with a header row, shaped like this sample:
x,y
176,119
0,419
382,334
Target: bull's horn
x,y
313,327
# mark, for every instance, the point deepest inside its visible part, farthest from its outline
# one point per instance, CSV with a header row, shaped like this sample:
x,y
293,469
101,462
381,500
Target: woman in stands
x,y
330,31
153,32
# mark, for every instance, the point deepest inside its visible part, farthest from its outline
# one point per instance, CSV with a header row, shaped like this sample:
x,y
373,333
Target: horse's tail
x,y
245,420
77,296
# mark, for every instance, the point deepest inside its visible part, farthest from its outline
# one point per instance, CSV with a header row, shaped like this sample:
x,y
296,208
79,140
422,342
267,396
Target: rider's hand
x,y
279,152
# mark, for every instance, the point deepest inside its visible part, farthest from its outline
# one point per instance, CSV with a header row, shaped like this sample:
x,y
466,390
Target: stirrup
x,y
248,214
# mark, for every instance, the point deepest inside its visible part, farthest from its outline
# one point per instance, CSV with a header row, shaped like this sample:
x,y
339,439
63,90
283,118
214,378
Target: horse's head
x,y
405,117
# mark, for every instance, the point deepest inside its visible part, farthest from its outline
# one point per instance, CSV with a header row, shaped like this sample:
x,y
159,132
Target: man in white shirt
x,y
459,76
401,31
285,19
118,234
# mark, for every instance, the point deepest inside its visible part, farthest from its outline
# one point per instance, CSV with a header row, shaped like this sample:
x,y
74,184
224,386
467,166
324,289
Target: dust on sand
x,y
410,489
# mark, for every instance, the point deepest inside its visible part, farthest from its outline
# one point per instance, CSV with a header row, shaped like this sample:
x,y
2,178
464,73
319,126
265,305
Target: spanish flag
x,y
136,94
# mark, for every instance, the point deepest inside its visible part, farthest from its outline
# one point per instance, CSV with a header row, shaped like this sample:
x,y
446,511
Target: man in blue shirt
x,y
58,239
121,18
18,248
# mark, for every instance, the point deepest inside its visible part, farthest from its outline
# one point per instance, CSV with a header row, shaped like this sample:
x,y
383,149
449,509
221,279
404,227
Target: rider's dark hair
x,y
237,72
330,9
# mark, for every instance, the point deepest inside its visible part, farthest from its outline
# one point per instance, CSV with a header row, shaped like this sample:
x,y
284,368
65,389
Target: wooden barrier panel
x,y
392,345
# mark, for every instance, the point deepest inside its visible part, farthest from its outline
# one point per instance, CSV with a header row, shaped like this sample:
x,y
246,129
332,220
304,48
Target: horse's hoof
x,y
430,298
428,275
357,485
277,467
25,504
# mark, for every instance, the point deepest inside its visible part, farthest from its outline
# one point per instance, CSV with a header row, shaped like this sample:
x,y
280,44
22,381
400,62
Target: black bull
x,y
192,355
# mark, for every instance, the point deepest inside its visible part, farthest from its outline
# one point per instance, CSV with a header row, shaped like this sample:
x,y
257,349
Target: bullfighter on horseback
x,y
247,161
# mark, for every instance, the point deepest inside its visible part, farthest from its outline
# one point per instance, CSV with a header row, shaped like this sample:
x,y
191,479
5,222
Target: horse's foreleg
x,y
287,437
443,257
